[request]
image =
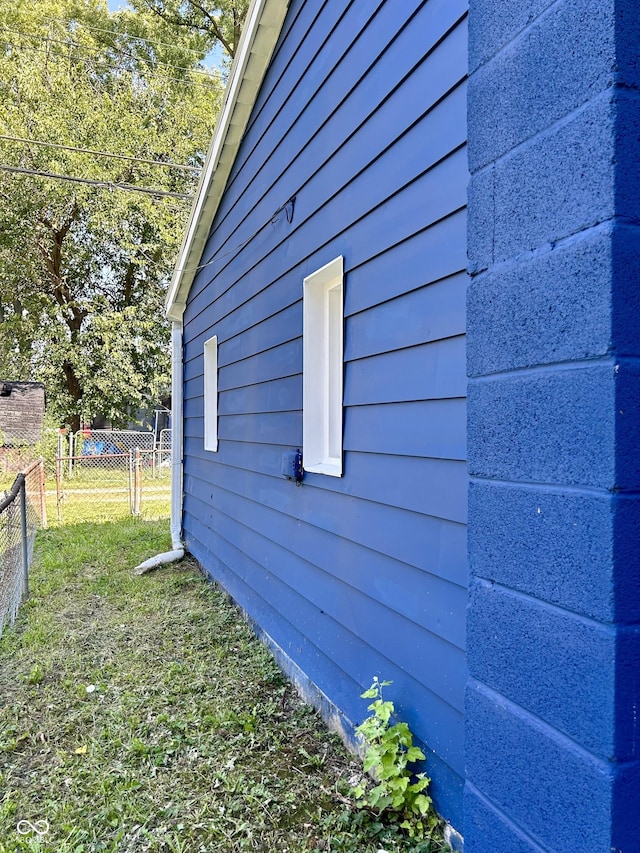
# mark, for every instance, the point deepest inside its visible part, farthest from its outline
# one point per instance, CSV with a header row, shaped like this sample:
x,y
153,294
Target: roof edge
x,y
259,36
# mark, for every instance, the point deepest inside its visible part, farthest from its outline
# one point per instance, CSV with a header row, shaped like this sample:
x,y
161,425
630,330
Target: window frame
x,y
210,355
323,370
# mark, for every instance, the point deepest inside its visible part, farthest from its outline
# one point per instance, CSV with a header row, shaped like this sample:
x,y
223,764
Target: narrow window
x,y
323,319
211,394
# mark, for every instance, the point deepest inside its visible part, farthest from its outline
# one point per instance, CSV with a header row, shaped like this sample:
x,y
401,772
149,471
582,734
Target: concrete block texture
x,y
627,153
550,307
626,293
627,423
554,544
552,426
558,184
626,814
486,828
493,25
552,732
626,553
559,794
628,694
563,60
556,664
627,40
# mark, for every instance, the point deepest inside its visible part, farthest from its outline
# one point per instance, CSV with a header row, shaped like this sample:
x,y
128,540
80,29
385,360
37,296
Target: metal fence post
x,y
136,483
130,481
25,543
43,494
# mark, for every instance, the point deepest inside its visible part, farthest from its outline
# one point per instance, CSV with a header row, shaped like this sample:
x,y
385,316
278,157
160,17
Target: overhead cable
x,y
102,153
124,33
69,43
206,77
110,185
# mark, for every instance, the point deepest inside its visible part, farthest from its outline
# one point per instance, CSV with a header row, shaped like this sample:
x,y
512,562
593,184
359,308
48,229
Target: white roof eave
x,y
259,36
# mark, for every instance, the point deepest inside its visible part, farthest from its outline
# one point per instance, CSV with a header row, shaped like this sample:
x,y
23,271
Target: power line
x,y
208,78
69,43
128,35
287,208
103,153
110,185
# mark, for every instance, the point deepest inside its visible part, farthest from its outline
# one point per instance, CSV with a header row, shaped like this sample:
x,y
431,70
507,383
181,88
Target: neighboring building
x,y
21,413
324,292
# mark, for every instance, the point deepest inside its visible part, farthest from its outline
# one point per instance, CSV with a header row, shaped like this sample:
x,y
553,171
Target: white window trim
x,y
322,374
211,394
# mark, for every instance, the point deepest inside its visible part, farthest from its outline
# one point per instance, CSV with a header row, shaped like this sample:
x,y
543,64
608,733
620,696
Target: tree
x,y
84,265
219,22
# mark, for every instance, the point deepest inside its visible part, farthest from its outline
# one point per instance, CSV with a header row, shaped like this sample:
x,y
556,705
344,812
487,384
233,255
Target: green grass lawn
x,y
139,713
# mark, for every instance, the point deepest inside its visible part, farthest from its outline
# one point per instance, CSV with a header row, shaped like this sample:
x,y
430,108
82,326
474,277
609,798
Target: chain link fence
x,y
109,474
164,451
22,511
92,476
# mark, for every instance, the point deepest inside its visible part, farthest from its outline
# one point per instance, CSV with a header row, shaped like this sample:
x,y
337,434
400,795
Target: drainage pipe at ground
x,y
177,546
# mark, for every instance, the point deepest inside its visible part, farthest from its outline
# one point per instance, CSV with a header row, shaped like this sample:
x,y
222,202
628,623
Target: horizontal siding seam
x,y
265,601
409,291
308,100
291,234
375,404
353,542
319,487
290,304
378,651
300,264
291,90
288,27
334,577
232,254
455,460
313,604
347,360
364,358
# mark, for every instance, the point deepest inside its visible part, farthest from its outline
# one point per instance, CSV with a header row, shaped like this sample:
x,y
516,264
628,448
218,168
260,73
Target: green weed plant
x,y
399,794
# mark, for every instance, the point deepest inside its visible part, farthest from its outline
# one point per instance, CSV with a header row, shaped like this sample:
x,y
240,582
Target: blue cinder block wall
x,y
552,722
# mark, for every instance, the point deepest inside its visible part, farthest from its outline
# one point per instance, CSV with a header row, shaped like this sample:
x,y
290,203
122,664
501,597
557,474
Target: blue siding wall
x,y
554,427
362,117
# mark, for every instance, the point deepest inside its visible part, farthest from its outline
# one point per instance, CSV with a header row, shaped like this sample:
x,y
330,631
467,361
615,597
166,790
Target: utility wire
x,y
102,153
69,43
287,208
117,33
106,184
207,78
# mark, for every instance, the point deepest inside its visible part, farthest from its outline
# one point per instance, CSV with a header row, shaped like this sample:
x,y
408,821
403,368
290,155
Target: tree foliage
x,y
84,266
218,22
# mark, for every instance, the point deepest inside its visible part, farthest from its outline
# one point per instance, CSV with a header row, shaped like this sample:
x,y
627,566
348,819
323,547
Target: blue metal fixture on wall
x,y
292,466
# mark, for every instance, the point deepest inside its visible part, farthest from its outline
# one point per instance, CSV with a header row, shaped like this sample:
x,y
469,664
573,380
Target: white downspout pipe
x,y
176,436
175,527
